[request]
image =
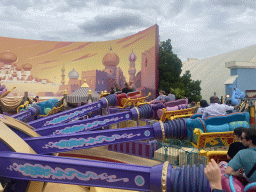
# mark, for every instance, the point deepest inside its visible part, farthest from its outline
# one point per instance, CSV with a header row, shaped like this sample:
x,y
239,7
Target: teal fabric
x,y
245,124
247,117
189,135
220,123
246,159
218,120
217,128
47,104
194,123
237,124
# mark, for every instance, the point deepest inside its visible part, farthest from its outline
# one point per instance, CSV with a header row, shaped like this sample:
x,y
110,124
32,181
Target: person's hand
x,y
213,174
241,171
236,107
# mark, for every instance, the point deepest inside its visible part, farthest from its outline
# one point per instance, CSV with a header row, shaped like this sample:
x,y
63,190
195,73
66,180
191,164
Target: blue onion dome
x,y
73,74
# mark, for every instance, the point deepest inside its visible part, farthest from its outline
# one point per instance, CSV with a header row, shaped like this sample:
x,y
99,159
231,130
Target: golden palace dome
x,y
18,68
30,78
110,59
8,57
27,66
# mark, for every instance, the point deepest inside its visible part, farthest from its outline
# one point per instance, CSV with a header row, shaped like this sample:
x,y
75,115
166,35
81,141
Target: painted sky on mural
x,y
198,28
49,57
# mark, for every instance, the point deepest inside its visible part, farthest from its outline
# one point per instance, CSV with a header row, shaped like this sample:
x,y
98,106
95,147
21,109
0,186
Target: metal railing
x,y
178,153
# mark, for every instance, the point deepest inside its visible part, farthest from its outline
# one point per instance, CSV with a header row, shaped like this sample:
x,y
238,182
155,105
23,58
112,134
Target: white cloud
x,y
197,28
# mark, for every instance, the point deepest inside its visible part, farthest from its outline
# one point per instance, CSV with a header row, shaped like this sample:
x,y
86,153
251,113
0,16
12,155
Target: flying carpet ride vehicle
x,y
144,111
178,179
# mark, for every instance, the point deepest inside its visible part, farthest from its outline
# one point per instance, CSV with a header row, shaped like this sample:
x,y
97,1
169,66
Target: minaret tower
x,y
63,75
132,69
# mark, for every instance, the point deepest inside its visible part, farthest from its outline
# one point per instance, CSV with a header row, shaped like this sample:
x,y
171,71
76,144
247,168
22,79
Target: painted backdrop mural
x,y
46,68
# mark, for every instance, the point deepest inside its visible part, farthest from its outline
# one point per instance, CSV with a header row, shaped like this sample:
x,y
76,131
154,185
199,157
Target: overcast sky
x,y
197,28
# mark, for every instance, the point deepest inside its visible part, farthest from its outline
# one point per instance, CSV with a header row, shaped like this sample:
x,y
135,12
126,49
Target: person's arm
x,y
235,107
213,174
229,108
230,171
234,166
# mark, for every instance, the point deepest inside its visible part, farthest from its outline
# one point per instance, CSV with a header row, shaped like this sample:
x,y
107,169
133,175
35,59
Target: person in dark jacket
x,y
127,88
112,90
203,104
236,146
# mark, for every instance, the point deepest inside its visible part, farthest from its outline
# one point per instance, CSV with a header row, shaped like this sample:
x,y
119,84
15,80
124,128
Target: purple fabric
x,y
177,102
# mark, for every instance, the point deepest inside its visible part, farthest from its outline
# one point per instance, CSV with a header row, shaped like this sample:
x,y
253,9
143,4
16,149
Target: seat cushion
x,y
217,128
237,124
